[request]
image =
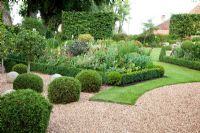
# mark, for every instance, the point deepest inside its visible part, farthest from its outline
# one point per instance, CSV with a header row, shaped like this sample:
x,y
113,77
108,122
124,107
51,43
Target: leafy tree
x,y
148,30
122,10
31,45
51,10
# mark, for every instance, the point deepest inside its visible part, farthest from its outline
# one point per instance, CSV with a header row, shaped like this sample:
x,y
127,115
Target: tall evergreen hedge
x,y
183,25
99,25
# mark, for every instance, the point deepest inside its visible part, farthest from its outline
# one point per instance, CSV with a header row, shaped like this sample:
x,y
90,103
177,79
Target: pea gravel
x,y
169,109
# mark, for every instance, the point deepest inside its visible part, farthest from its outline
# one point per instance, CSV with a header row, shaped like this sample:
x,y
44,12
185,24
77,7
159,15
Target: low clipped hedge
x,y
64,90
178,61
91,80
44,68
142,75
114,78
182,62
28,81
50,69
20,68
24,111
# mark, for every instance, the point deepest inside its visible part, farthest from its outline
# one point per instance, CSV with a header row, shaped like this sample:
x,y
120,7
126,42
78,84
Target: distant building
x,y
163,28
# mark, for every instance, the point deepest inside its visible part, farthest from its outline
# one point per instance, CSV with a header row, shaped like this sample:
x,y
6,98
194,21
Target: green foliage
x,y
196,39
99,25
182,62
162,54
91,80
78,48
85,38
187,46
24,111
114,78
178,53
8,64
20,68
183,25
64,90
120,37
30,44
28,81
196,51
141,61
145,74
33,23
52,43
4,48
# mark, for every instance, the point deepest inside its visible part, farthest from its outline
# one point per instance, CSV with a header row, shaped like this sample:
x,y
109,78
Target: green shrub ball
x,y
91,81
114,78
24,111
64,90
28,81
20,68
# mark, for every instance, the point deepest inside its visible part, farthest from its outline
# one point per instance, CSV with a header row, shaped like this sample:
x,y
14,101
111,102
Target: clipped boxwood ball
x,y
24,111
28,81
20,68
91,80
114,78
64,90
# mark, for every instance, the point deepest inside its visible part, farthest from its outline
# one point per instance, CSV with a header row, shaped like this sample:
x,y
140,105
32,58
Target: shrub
x,y
28,81
187,46
138,43
91,80
114,78
64,90
120,37
20,68
24,111
33,23
196,39
182,62
85,38
162,54
78,48
145,74
196,51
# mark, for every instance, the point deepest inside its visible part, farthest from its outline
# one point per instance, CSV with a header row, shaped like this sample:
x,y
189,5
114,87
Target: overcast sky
x,y
142,10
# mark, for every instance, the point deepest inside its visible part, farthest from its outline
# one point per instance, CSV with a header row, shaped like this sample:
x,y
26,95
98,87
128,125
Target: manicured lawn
x,y
129,95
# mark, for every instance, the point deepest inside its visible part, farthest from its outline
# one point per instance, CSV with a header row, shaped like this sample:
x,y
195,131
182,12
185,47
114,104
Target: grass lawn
x,y
129,95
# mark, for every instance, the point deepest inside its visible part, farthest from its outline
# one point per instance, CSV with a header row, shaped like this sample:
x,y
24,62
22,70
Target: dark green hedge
x,y
182,25
142,75
99,25
178,61
44,68
182,62
49,69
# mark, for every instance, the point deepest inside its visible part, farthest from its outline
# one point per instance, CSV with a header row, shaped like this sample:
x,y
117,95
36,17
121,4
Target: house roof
x,y
196,10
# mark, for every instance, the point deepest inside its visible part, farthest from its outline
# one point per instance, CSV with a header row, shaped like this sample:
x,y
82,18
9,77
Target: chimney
x,y
163,18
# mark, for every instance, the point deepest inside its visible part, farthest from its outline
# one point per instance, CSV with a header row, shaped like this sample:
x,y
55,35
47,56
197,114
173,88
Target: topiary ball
x,y
91,80
20,68
114,78
28,81
24,111
64,90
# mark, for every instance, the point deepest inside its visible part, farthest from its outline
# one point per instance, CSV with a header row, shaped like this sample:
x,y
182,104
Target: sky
x,y
143,10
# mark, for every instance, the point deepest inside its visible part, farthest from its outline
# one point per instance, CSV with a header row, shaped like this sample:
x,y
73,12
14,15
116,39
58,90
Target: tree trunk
x,y
29,67
2,63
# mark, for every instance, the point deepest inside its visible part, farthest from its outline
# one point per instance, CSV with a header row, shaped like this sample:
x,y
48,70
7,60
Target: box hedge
x,y
99,25
183,25
142,75
178,61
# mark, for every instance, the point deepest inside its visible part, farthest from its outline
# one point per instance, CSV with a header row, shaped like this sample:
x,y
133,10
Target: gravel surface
x,y
169,109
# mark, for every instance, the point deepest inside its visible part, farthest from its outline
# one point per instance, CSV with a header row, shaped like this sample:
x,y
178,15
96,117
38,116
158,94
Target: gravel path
x,y
169,109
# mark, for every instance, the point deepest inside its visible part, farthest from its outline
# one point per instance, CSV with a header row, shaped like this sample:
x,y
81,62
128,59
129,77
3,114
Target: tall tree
x,y
51,10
